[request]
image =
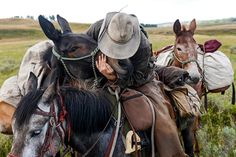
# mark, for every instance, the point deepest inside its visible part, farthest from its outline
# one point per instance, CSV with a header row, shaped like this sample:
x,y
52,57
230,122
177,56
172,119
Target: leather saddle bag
x,y
137,109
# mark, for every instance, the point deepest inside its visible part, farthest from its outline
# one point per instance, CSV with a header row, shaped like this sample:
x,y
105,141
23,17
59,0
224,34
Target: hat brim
x,y
115,49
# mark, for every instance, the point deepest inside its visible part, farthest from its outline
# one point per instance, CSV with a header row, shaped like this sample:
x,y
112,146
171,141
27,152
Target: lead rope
x,y
67,70
203,80
116,93
99,137
95,83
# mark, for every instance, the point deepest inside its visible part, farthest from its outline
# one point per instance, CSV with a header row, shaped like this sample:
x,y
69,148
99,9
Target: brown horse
x,y
185,51
6,112
185,56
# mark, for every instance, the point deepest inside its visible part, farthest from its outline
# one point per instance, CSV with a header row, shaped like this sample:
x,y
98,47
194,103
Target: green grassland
x,y
217,136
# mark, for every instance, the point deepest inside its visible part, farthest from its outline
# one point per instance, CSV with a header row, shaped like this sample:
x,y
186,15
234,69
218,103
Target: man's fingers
x,y
109,68
97,65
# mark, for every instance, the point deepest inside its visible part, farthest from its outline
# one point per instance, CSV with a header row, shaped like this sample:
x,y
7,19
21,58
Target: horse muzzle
x,y
193,80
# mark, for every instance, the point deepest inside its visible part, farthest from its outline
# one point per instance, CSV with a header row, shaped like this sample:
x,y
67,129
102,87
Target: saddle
x,y
136,105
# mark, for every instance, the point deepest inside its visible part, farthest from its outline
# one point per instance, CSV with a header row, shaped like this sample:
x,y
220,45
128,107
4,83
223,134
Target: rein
x,y
54,122
62,59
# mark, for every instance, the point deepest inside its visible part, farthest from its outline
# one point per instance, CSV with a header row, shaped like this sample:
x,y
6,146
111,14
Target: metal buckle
x,y
130,142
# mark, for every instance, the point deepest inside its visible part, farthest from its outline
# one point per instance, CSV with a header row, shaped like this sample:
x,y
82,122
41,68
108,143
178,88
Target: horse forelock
x,y
26,107
88,111
84,37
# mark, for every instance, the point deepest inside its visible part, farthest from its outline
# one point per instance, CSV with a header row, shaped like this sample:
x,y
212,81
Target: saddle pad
x,y
164,58
186,100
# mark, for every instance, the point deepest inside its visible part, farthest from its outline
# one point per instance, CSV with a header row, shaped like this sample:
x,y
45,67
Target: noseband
x,y
62,59
184,62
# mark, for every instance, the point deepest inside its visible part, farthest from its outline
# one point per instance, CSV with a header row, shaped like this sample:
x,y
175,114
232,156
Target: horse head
x,y
185,50
37,131
78,52
47,119
75,51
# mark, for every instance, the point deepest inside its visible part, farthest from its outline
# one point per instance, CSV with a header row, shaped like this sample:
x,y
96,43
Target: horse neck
x,y
90,118
88,112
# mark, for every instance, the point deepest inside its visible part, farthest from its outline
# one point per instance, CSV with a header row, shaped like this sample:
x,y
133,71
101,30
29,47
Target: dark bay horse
x,y
47,119
75,45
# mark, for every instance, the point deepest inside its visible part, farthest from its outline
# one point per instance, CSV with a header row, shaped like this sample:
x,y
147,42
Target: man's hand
x,y
105,68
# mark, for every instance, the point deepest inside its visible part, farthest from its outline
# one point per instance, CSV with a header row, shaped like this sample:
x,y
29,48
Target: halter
x,y
183,62
62,59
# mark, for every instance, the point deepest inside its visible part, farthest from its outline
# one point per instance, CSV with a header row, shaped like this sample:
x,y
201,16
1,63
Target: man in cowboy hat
x,y
119,37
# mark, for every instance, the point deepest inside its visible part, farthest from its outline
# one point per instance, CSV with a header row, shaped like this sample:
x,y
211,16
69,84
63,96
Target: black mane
x,y
88,111
27,106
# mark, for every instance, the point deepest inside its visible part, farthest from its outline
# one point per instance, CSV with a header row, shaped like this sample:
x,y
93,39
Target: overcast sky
x,y
148,11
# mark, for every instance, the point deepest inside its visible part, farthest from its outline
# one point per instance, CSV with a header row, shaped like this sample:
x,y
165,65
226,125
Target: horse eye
x,y
179,49
73,49
35,133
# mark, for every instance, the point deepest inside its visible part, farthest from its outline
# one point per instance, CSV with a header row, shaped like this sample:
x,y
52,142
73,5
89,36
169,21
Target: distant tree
x,y
30,17
149,25
52,18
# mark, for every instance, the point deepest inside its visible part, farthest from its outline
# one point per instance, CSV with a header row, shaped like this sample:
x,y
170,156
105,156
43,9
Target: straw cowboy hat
x,y
119,36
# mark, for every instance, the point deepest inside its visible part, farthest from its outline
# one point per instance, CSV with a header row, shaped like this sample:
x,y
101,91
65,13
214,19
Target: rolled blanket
x,y
10,92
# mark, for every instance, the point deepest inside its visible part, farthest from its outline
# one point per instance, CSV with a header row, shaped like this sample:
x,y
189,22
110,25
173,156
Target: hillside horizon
x,y
230,20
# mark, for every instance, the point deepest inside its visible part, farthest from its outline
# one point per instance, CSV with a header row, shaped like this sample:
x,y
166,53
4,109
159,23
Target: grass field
x,y
217,136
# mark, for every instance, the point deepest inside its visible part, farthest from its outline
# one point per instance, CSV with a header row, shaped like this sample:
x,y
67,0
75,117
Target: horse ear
x,y
48,29
32,83
193,26
51,77
64,24
49,92
177,27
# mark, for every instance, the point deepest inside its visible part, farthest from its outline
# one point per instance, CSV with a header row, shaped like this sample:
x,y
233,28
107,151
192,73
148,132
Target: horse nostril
x,y
195,80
